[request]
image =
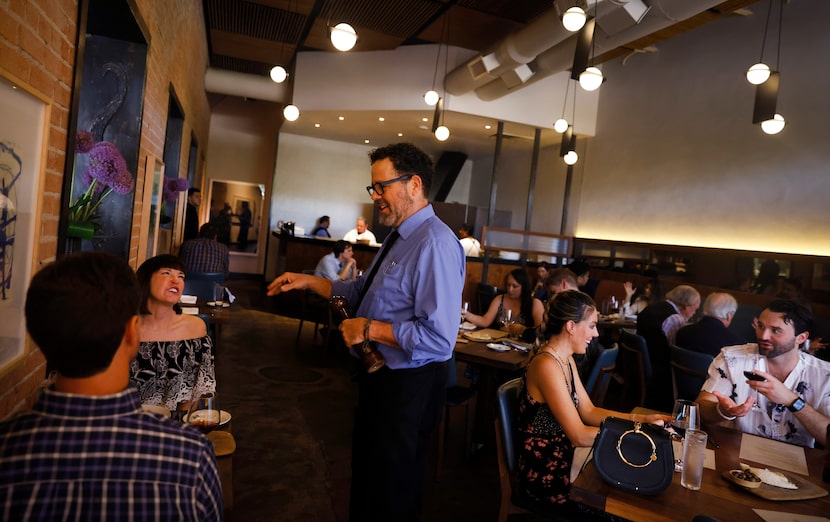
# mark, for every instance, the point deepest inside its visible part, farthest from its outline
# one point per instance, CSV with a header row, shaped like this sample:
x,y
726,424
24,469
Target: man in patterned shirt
x,y
87,451
790,401
205,253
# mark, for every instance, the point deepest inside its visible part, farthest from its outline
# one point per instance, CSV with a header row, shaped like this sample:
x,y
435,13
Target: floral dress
x,y
168,373
545,452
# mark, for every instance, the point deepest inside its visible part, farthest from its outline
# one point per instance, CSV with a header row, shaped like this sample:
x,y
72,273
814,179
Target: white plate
x,y
498,347
157,409
224,418
467,325
224,304
188,299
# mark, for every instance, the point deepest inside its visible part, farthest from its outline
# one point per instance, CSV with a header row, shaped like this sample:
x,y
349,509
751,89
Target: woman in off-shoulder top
x,y
175,357
555,412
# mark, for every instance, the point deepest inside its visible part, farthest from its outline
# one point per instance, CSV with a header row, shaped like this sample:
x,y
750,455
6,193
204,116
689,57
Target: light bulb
x,y
431,97
278,74
343,37
291,112
573,19
560,125
442,133
757,74
590,79
773,125
571,157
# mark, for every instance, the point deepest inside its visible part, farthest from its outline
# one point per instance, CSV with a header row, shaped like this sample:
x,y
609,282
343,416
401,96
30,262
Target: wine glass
x,y
685,416
203,413
758,363
465,308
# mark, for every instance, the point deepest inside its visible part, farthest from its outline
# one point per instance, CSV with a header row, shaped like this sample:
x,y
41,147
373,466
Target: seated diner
x,y
515,311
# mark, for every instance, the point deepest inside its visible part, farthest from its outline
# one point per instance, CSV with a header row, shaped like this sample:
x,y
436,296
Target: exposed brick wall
x,y
37,46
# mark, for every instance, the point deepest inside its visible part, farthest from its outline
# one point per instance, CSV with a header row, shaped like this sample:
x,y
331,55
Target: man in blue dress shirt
x,y
87,451
410,309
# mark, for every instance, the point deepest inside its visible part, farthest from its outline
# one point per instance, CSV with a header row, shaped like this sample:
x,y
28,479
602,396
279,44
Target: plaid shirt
x,y
204,255
77,457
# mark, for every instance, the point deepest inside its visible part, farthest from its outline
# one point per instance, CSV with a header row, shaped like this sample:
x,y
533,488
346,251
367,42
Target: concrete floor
x,y
292,420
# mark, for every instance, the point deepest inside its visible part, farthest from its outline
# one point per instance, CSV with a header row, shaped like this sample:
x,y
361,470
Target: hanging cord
x,y
565,103
446,63
766,30
780,25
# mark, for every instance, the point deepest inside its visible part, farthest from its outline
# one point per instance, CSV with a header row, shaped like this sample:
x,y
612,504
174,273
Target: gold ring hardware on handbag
x,y
637,431
634,456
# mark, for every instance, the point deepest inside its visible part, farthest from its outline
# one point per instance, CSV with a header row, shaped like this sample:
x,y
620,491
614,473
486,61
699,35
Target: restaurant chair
x,y
456,396
636,369
689,370
314,309
507,411
600,377
201,284
486,293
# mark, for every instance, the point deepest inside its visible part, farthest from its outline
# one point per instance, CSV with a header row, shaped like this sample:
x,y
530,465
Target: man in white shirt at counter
x,y
361,233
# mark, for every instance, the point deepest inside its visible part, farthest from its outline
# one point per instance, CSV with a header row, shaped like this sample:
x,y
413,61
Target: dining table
x,y
494,368
217,316
717,498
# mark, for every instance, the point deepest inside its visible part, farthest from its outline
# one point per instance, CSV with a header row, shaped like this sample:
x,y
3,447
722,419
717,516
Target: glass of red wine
x,y
203,413
759,363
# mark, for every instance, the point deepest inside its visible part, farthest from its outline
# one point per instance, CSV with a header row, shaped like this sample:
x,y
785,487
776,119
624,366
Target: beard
x,y
778,350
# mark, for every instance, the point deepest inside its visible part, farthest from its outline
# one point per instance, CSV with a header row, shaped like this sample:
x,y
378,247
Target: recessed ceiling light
x,y
487,127
424,119
317,125
400,134
381,119
341,118
365,141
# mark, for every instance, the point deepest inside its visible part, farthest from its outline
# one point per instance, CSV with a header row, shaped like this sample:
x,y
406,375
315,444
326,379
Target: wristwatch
x,y
797,405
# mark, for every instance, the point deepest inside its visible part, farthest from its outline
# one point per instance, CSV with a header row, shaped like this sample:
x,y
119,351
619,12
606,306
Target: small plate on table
x,y
496,347
225,304
224,417
188,299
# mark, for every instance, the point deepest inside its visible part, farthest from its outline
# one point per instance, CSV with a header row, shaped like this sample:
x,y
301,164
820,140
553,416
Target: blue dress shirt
x,y
418,290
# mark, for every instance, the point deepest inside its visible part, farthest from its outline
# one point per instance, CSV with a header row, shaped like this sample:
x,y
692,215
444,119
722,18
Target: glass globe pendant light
x,y
291,112
590,79
343,37
560,125
278,74
758,73
442,133
573,19
431,98
774,125
571,157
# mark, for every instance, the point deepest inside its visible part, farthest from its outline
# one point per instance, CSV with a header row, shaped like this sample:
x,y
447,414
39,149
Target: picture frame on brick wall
x,y
24,139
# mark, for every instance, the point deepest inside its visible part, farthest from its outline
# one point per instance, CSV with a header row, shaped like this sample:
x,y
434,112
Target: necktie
x,y
387,246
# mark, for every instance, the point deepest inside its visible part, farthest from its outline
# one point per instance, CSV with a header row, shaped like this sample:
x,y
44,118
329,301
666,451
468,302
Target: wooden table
x,y
717,498
495,369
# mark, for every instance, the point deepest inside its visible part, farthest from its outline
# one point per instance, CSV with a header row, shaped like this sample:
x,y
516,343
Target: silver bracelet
x,y
722,414
366,330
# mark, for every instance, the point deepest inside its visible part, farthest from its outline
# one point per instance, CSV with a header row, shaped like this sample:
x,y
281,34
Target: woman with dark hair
x,y
526,312
637,299
175,357
555,412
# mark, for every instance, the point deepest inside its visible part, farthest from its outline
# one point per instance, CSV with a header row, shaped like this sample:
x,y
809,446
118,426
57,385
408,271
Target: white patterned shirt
x,y
810,379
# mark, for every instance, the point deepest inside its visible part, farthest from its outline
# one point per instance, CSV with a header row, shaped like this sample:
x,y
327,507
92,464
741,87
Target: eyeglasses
x,y
379,186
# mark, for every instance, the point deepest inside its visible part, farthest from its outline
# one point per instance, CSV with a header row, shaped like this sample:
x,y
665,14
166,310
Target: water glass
x,y
218,295
694,455
685,416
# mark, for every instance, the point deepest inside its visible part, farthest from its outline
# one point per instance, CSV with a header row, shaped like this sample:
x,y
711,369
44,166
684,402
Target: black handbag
x,y
634,456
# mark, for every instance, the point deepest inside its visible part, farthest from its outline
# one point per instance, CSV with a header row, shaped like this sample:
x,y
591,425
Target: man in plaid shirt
x,y
87,451
205,253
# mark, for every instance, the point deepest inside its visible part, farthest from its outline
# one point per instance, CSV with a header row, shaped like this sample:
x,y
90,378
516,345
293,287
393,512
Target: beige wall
x,y
37,44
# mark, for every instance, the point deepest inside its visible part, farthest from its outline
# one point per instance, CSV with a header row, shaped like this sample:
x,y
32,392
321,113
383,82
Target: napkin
x,y
231,297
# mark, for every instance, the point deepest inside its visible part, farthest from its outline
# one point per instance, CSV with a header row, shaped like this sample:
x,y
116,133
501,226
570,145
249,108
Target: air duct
x,y
244,85
558,55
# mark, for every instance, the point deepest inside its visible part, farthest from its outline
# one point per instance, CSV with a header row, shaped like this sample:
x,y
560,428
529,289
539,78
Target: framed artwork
x,y
24,127
148,236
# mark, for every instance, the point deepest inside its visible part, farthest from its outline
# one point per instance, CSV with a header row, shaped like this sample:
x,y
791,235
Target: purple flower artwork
x,y
106,172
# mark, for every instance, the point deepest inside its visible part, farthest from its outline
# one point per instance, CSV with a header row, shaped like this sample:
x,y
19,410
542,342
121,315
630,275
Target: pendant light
x,y
573,18
766,90
561,125
759,72
343,36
